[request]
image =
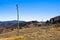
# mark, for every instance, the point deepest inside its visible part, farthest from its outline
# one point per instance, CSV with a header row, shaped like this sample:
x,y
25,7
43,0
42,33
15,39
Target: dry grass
x,y
37,33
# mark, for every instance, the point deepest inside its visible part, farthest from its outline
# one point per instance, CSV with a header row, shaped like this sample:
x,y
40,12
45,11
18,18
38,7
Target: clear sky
x,y
29,9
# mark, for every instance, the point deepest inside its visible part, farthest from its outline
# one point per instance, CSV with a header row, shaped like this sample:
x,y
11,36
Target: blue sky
x,y
40,10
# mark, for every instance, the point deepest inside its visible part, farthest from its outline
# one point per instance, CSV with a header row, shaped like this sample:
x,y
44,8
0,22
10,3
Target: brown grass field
x,y
36,33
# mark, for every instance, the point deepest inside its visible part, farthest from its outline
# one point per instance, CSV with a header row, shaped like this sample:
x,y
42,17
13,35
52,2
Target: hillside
x,y
55,20
32,30
36,33
11,25
7,26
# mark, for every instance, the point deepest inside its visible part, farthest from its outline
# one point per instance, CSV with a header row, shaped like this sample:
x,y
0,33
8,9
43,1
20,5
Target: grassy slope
x,y
36,33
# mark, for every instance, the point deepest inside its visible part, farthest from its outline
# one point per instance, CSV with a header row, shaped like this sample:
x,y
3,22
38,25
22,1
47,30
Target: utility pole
x,y
17,20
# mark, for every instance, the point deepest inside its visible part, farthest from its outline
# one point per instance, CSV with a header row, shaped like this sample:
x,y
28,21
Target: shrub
x,y
57,25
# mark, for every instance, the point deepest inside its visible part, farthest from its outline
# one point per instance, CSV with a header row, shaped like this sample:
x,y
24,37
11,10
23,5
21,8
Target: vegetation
x,y
36,33
43,32
56,25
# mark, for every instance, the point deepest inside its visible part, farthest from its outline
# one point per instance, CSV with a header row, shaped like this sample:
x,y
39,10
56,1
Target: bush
x,y
57,25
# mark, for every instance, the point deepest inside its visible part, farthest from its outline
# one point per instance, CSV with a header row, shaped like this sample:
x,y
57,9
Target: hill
x,y
36,33
55,20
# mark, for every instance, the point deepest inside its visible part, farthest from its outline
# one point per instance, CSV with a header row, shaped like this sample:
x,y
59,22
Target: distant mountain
x,y
5,23
1,22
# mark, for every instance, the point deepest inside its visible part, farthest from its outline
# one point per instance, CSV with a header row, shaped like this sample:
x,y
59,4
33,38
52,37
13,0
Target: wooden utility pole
x,y
17,20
